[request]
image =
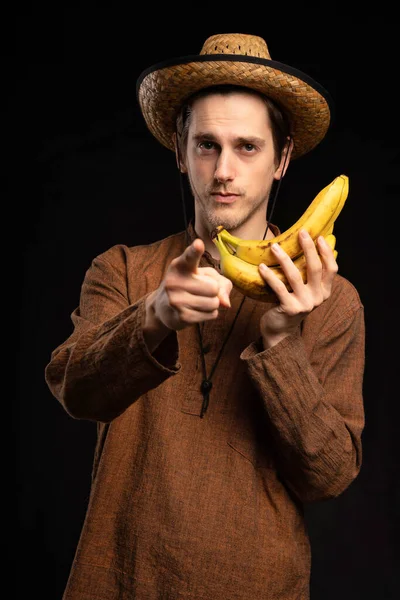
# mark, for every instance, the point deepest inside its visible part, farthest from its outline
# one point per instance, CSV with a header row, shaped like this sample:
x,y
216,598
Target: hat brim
x,y
164,87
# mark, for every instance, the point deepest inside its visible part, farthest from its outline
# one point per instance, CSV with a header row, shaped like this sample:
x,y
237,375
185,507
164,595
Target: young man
x,y
218,416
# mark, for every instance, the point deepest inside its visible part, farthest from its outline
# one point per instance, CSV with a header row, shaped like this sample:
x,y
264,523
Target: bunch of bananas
x,y
239,258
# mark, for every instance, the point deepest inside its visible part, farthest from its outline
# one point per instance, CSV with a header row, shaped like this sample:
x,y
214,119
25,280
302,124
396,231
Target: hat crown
x,y
236,43
239,59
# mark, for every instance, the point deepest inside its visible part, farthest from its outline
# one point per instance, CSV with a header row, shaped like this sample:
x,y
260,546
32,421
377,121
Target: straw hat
x,y
239,59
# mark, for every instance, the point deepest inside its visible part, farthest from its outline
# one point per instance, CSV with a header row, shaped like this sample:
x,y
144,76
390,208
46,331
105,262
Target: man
x,y
218,415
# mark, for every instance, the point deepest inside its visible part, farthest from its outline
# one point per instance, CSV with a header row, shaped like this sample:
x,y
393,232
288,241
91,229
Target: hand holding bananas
x,y
303,296
240,259
294,270
188,294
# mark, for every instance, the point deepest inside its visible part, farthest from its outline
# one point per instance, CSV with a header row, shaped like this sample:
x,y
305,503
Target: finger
x,y
203,304
327,254
330,266
290,270
200,285
224,294
188,315
313,259
225,285
189,260
197,284
213,286
273,282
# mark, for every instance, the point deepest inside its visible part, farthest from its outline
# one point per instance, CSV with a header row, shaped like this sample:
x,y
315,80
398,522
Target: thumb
x,y
189,260
224,293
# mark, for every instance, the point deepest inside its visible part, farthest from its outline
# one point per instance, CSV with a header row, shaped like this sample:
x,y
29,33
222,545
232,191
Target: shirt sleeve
x,y
314,404
105,366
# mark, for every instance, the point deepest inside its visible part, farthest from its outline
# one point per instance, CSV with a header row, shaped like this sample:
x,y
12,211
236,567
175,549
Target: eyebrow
x,y
251,139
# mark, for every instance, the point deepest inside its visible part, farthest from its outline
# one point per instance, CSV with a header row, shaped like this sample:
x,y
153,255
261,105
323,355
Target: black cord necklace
x,y
206,384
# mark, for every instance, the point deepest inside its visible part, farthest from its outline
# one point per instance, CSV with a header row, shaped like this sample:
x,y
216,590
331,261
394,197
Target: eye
x,y
207,145
249,147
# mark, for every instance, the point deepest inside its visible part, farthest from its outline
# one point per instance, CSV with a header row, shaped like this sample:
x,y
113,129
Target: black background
x,y
87,174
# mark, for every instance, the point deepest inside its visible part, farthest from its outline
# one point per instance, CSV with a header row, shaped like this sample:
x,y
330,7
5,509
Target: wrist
x,y
154,330
272,339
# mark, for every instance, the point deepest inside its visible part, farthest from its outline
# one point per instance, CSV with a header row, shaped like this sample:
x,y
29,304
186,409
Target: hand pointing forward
x,y
188,294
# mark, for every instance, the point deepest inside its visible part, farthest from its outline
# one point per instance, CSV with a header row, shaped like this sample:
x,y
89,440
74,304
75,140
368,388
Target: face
x,y
230,161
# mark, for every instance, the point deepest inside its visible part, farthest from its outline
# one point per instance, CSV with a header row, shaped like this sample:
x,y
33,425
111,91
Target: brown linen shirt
x,y
183,507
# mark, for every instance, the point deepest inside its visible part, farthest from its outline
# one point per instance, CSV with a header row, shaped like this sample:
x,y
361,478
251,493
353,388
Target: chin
x,y
228,222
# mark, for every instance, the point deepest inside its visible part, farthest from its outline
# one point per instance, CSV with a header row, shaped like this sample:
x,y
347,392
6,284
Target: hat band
x,y
273,64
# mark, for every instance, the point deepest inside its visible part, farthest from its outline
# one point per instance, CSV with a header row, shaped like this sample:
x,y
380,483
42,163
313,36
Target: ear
x,y
179,162
285,159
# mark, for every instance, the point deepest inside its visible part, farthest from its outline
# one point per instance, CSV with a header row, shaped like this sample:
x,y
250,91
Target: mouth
x,y
224,198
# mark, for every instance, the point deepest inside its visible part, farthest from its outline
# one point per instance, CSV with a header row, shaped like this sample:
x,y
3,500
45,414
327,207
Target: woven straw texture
x,y
163,90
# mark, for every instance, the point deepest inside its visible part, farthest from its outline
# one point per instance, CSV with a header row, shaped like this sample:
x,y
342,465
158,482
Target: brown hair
x,y
279,121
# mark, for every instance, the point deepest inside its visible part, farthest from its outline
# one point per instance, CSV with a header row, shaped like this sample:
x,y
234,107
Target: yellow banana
x,y
246,276
318,219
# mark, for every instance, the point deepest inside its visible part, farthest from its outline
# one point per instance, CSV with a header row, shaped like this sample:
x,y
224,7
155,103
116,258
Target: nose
x,y
224,169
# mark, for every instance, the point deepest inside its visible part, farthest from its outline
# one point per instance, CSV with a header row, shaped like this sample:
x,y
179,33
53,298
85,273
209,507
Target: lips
x,y
224,198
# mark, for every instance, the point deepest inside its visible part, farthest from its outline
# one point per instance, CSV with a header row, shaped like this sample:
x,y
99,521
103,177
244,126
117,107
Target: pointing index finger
x,y
190,259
